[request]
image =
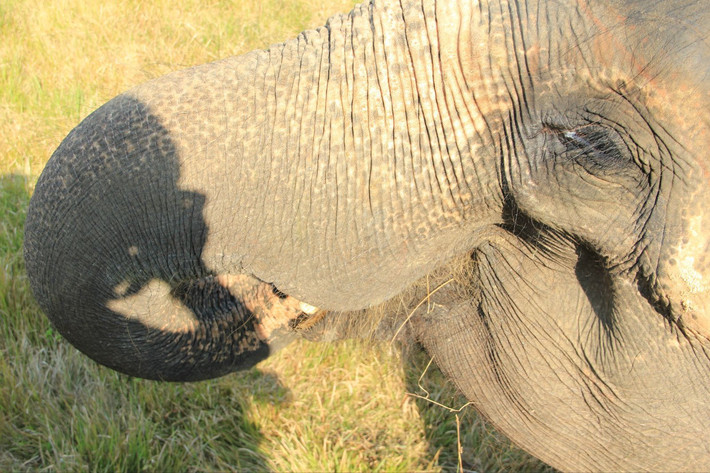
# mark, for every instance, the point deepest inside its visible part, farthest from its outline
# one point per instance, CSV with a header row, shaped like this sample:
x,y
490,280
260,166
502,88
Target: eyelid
x,y
595,148
576,137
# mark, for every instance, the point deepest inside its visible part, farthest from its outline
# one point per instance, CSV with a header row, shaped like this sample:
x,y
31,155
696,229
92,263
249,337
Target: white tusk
x,y
308,309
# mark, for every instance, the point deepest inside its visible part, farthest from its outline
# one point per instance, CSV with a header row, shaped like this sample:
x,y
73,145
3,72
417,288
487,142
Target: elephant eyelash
x,y
591,146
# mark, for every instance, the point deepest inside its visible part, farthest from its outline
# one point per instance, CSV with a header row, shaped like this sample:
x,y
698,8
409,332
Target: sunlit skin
x,y
535,172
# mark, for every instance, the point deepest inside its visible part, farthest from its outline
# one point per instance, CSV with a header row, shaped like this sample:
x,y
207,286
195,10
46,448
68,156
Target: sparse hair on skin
x,y
390,321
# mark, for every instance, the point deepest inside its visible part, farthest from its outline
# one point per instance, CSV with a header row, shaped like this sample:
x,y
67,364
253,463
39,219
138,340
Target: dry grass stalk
x,y
453,410
426,299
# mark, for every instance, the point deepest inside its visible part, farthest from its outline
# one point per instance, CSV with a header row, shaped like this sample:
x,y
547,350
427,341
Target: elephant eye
x,y
593,147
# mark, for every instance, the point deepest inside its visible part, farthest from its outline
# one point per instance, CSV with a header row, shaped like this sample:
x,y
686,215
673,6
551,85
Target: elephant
x,y
518,186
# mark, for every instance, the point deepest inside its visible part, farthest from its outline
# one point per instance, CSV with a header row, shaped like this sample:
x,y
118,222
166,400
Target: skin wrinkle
x,y
595,381
382,79
296,101
607,340
318,124
413,140
361,142
347,175
370,83
440,158
516,122
561,423
370,59
503,381
395,63
260,73
300,187
423,82
337,134
394,66
270,93
357,128
386,99
513,311
660,143
330,222
529,84
517,96
414,151
511,150
313,146
449,105
465,121
417,78
319,128
284,173
473,108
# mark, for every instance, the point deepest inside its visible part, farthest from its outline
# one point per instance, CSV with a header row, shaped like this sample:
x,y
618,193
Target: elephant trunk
x,y
140,224
114,253
144,229
162,224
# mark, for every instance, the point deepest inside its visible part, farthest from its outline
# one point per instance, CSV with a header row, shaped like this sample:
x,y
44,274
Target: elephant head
x,y
544,163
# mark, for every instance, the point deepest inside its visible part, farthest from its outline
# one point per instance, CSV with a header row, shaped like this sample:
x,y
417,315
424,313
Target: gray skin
x,y
546,160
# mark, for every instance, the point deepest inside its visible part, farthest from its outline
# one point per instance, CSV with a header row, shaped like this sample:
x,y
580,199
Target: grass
x,y
341,407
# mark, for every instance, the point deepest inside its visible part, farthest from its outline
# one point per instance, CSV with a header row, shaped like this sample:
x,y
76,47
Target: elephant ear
x,y
566,386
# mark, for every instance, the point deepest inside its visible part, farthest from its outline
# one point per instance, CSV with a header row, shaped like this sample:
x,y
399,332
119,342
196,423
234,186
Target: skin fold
x,y
536,171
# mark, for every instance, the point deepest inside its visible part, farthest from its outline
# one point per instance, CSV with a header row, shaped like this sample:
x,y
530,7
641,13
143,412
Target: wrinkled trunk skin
x,y
328,166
